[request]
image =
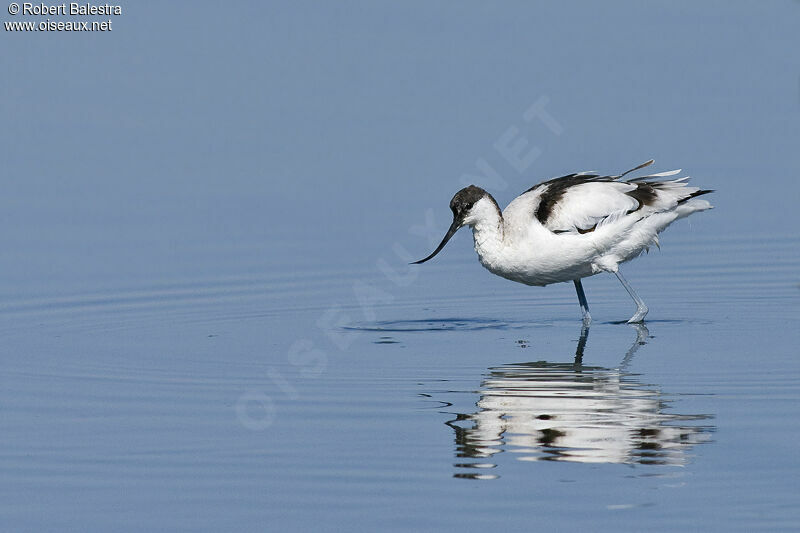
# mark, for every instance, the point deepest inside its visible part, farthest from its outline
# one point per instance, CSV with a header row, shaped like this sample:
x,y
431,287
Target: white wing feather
x,y
584,206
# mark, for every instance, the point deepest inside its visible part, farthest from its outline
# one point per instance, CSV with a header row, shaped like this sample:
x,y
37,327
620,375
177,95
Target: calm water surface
x,y
290,400
207,315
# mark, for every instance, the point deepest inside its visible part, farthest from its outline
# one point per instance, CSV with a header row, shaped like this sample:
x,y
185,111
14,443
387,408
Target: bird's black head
x,y
461,205
464,200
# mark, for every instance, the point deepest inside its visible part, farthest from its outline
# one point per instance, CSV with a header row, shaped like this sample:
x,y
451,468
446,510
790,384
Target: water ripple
x,y
439,324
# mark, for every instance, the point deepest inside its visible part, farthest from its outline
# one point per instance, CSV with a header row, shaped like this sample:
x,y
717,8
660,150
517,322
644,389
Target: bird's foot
x,y
638,316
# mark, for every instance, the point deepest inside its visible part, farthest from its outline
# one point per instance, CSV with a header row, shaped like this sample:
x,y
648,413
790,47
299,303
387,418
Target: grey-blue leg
x,y
587,318
581,346
641,308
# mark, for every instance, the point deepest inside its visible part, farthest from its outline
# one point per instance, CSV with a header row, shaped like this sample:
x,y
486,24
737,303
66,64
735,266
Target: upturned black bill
x,y
452,231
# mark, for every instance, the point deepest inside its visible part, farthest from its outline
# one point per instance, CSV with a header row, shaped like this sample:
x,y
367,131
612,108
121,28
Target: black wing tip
x,y
701,192
695,194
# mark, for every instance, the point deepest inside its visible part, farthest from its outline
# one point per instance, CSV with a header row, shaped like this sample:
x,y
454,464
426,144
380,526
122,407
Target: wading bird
x,y
572,227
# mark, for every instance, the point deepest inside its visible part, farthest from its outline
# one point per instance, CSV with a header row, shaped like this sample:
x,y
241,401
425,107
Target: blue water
x,y
208,318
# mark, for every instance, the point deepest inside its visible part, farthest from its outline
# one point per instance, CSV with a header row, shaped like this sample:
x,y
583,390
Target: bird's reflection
x,y
570,412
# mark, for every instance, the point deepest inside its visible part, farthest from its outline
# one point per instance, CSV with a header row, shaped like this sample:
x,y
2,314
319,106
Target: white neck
x,y
487,229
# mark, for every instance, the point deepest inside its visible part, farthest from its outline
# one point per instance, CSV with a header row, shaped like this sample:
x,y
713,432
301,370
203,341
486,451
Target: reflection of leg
x,y
581,345
641,308
587,318
642,334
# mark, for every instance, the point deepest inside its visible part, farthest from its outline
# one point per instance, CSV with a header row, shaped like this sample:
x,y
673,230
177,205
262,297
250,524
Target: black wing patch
x,y
645,193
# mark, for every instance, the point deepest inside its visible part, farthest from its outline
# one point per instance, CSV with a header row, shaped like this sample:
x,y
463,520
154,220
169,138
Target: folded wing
x,y
579,203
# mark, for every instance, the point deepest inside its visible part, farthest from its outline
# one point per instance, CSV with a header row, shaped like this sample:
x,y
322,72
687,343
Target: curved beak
x,y
452,231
